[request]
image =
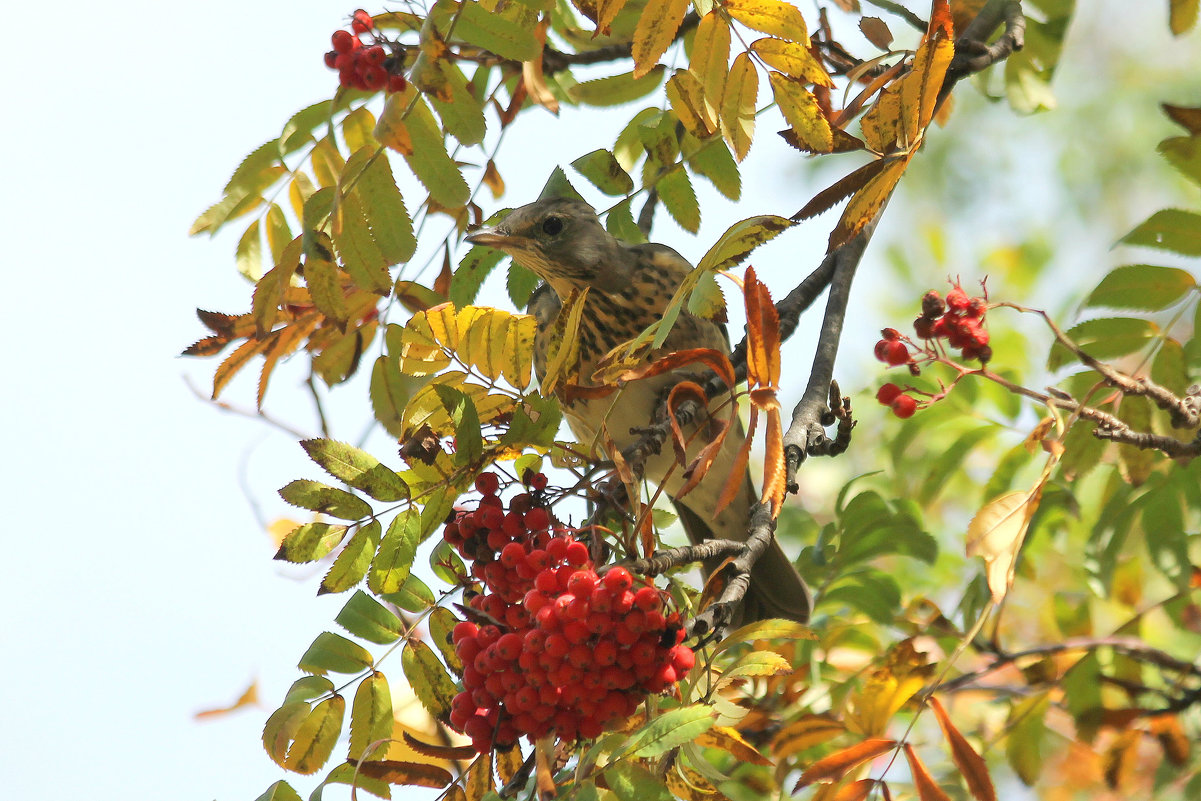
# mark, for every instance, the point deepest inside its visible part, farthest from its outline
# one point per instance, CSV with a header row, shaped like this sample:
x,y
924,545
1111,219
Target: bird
x,y
629,286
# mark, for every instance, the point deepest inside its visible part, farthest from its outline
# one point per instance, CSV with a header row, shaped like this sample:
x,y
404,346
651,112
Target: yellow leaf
x,y
248,698
710,62
564,341
996,534
919,89
316,737
732,742
687,99
420,352
444,324
518,351
803,114
866,203
606,12
770,16
794,59
738,105
873,705
806,732
655,32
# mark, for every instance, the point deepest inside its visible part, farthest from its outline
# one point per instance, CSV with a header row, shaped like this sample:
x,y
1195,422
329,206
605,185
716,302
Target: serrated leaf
x,y
324,284
793,59
394,559
418,138
802,112
318,497
428,678
269,291
738,105
409,774
442,622
520,284
773,628
473,269
248,256
310,542
357,249
1142,286
755,663
391,226
687,98
769,16
969,762
615,90
371,718
669,730
413,596
740,239
835,766
630,781
462,113
713,160
281,727
710,62
368,619
1169,229
390,390
679,198
333,652
620,222
279,791
469,443
601,168
655,31
923,783
306,688
353,560
316,737
1183,153
493,31
357,468
804,733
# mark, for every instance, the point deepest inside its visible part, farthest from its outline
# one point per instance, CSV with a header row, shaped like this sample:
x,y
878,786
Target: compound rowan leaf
x,y
316,737
428,678
769,16
655,31
835,766
370,718
738,105
802,112
357,468
422,146
1104,338
969,762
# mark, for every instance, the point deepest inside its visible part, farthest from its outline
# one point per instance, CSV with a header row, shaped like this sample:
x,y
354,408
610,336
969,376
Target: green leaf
x,y
310,541
740,239
706,299
615,90
248,257
493,31
1142,286
601,168
469,442
521,284
426,153
318,497
714,161
947,463
280,791
678,196
357,249
632,782
269,291
1104,338
535,423
428,677
391,226
1184,153
447,565
1165,533
316,737
281,727
469,277
1082,693
390,390
371,718
413,596
462,115
1169,369
323,282
394,559
351,564
671,729
333,652
306,688
368,619
1027,729
872,592
442,623
1169,229
620,222
357,468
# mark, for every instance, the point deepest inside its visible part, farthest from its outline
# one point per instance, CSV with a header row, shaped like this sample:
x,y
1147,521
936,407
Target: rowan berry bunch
x,y
560,646
370,65
959,320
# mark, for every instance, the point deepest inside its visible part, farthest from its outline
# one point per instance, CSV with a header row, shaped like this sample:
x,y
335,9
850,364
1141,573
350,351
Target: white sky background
x,y
139,585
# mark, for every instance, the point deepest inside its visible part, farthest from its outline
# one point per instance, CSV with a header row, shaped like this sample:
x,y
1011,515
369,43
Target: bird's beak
x,y
495,237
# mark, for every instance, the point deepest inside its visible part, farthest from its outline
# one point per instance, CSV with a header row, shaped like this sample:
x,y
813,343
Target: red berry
x,y
537,519
343,41
682,659
487,483
463,630
923,327
897,354
577,554
881,350
957,300
618,580
374,55
932,305
890,334
331,58
396,83
647,599
361,22
538,481
887,394
904,406
582,583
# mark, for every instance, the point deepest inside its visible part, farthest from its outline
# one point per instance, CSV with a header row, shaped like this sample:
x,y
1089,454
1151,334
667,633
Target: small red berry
x,y
923,327
897,354
618,580
487,483
538,481
957,300
647,599
890,334
904,406
397,83
343,41
932,305
577,554
881,350
331,58
361,22
887,394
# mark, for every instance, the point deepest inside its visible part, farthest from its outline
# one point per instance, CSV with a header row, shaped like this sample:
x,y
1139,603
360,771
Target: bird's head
x,y
562,241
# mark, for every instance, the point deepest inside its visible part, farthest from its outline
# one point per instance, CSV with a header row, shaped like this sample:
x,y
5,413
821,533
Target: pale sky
x,y
139,585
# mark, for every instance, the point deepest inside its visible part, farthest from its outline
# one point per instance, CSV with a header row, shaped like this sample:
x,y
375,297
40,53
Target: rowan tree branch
x,y
556,60
973,53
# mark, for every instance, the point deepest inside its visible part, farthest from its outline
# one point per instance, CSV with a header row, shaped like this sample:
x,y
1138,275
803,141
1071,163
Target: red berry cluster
x,y
959,319
570,650
363,66
891,349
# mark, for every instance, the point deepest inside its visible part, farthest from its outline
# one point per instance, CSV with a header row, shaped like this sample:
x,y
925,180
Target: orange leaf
x,y
413,774
804,733
680,393
923,782
970,763
1121,759
715,360
532,77
235,362
844,187
775,480
479,778
1175,743
763,337
738,470
248,698
855,791
449,752
837,764
493,180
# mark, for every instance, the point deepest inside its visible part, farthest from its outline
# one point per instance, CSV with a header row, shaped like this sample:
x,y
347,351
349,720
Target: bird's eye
x,y
551,226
